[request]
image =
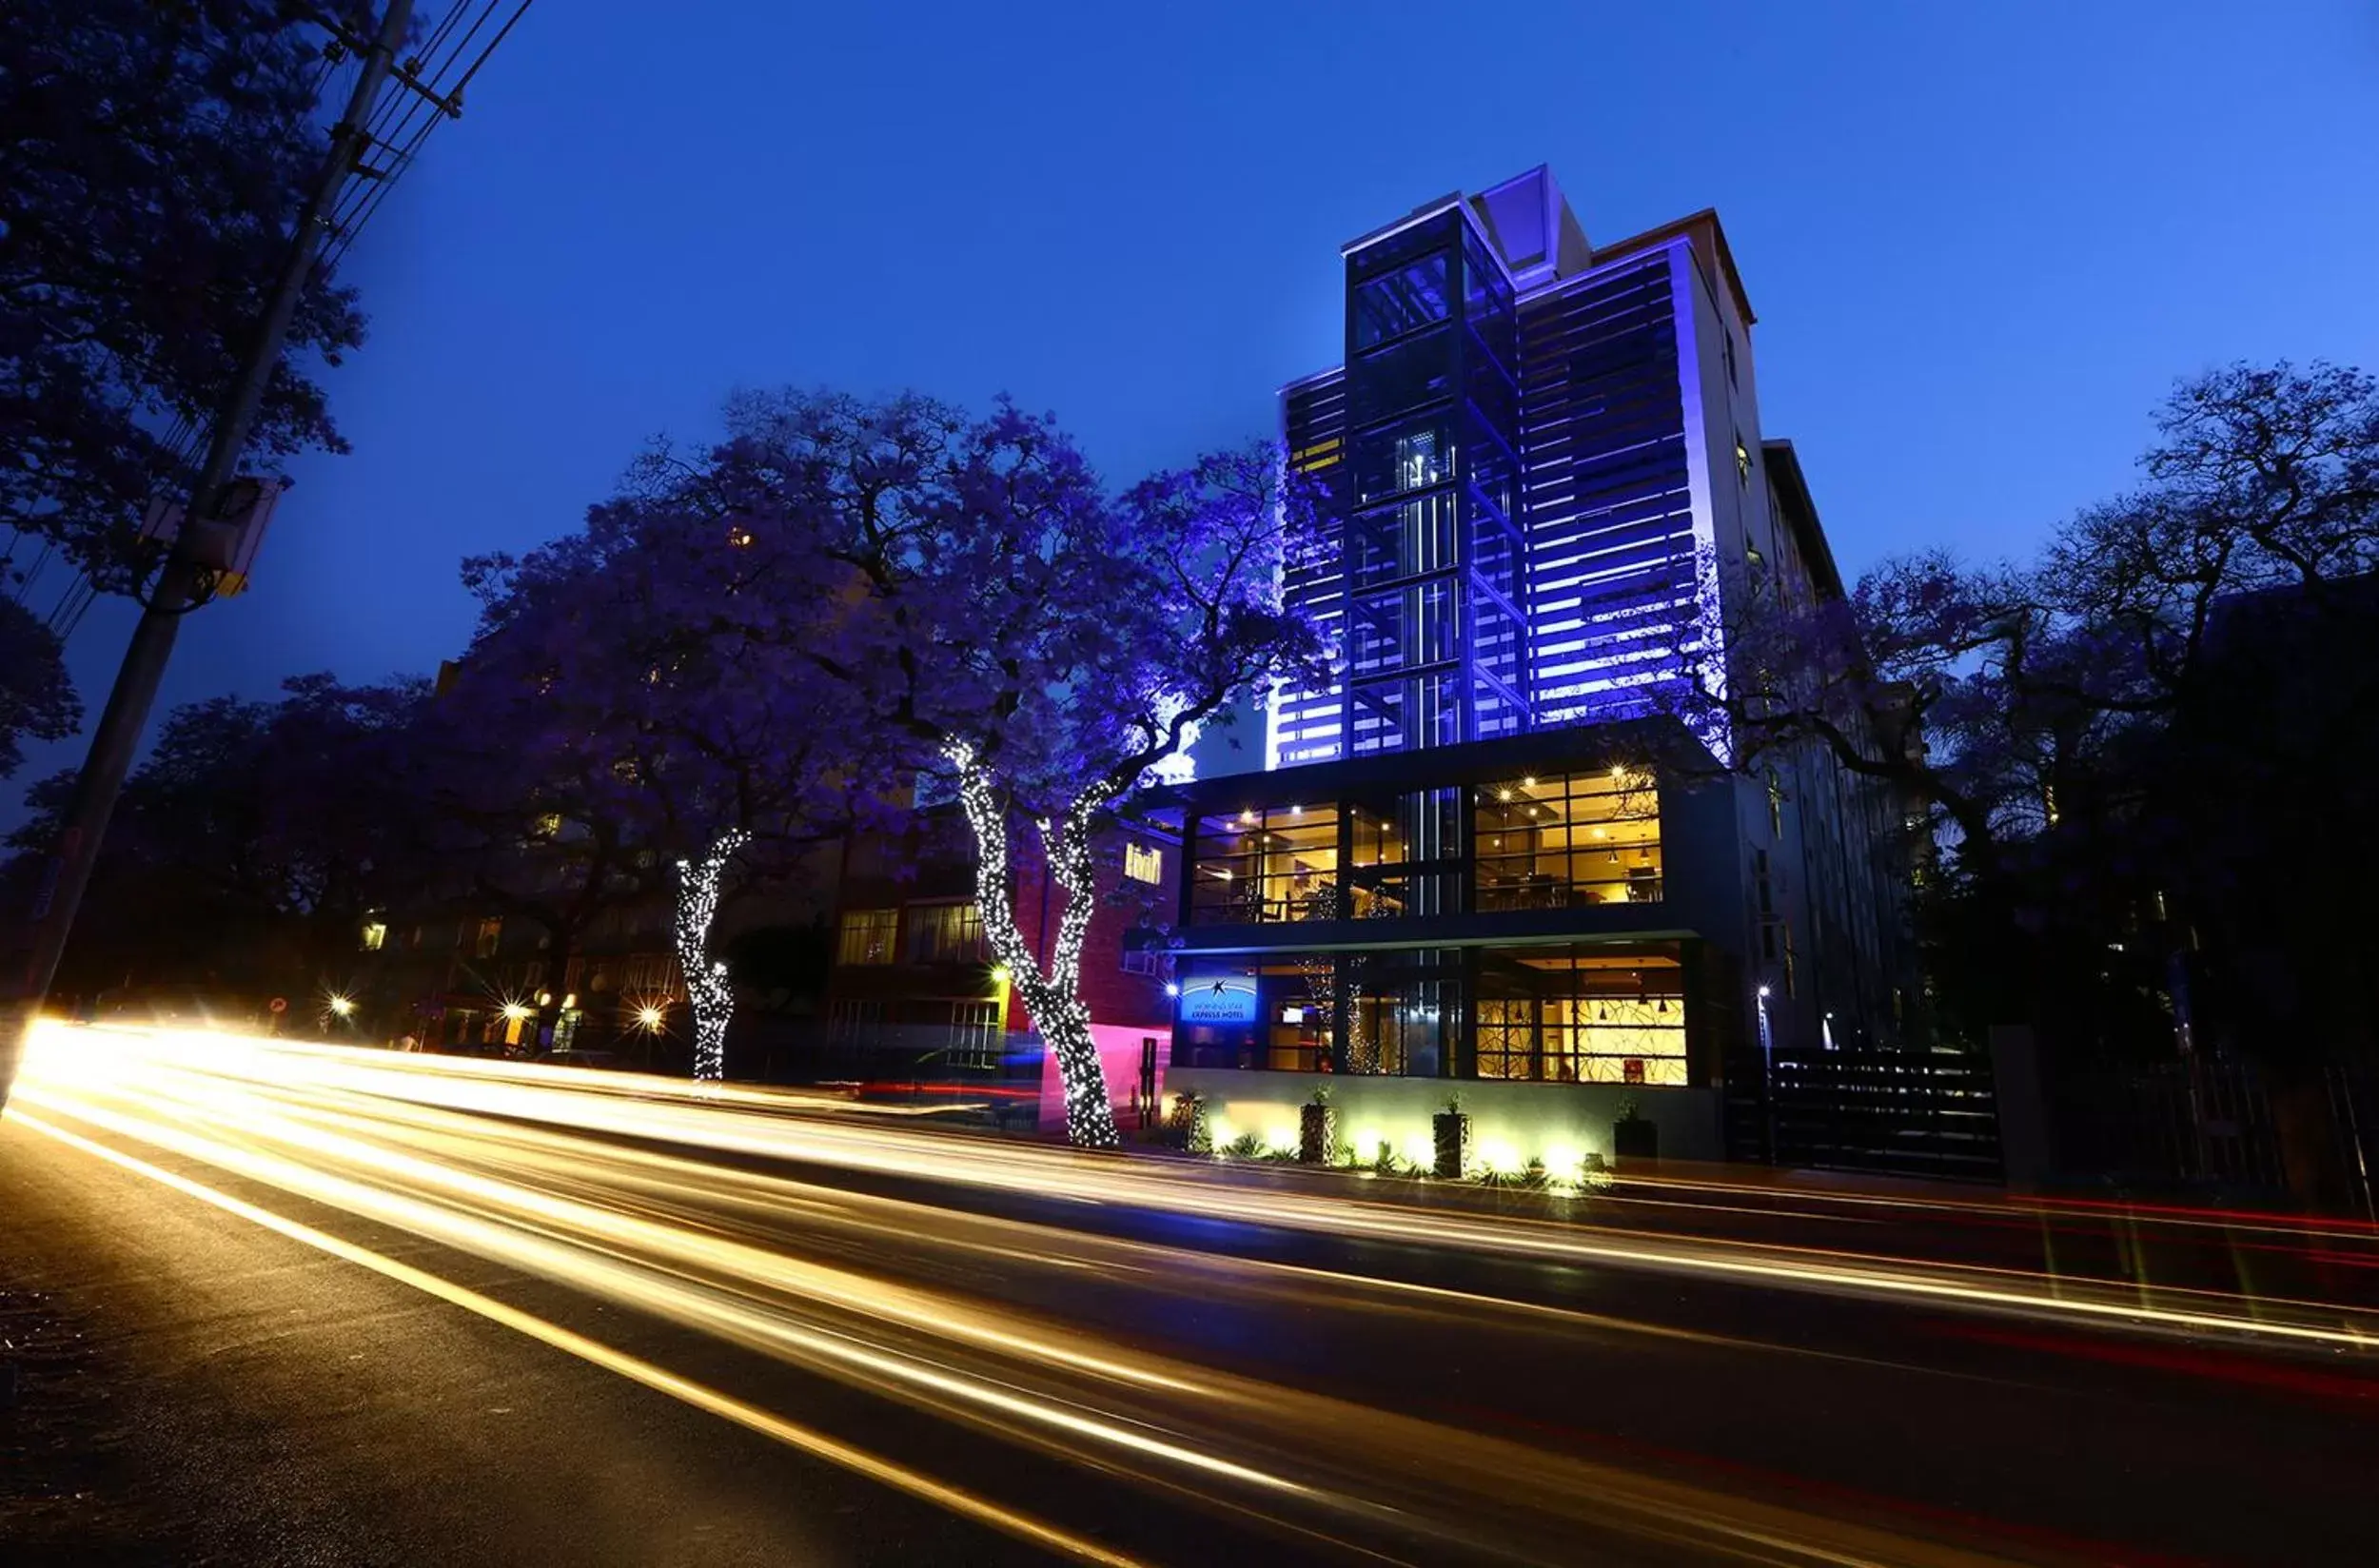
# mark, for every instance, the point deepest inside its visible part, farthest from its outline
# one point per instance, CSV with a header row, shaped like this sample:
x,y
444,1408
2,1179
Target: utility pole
x,y
179,584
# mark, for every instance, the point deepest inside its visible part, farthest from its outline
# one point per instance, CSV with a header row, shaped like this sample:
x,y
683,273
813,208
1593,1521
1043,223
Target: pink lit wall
x,y
1119,1054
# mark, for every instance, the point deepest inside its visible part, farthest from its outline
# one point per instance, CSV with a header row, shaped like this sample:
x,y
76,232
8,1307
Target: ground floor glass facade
x,y
1609,1013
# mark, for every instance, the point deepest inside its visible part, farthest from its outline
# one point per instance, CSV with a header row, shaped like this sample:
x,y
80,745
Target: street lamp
x,y
649,1017
343,1006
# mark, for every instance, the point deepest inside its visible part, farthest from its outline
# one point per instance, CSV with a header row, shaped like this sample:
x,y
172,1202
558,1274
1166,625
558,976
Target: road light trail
x,y
753,1123
710,1400
1260,1421
530,1170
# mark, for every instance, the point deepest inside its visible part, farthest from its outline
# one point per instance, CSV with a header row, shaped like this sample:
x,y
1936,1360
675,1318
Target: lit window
x,y
1743,460
546,826
1143,864
1566,840
945,934
1280,863
491,933
867,936
1776,804
375,935
1140,961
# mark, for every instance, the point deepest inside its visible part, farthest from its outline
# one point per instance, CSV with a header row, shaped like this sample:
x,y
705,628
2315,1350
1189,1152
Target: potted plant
x,y
1317,1129
1452,1128
1186,1129
1633,1137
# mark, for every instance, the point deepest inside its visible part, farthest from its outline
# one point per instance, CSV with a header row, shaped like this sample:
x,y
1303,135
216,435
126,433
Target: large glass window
x,y
1403,376
1398,1024
945,934
1403,459
1404,627
1402,1010
1495,640
1268,863
1567,839
1404,540
867,936
1404,855
1403,714
1243,1013
1489,302
1403,300
1580,1013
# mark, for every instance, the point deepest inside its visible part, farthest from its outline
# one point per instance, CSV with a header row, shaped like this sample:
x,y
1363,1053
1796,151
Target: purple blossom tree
x,y
655,721
1036,643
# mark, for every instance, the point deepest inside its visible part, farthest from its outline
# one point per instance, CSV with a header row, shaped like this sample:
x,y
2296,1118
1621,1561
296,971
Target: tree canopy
x,y
2105,777
152,161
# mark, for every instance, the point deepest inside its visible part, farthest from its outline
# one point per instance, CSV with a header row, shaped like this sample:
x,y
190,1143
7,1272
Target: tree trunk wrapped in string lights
x,y
1006,621
1052,993
709,995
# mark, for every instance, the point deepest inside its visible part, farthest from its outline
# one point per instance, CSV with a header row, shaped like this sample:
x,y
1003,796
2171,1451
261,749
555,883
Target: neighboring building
x,y
914,995
459,978
1486,859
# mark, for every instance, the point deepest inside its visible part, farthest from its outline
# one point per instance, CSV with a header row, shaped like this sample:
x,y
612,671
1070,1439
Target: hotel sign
x,y
1219,1002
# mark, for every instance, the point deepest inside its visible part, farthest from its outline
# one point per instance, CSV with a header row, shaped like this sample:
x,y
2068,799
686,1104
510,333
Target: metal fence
x,y
1893,1112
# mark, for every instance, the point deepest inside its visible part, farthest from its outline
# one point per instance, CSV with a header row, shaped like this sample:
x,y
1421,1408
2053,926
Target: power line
x,y
434,100
412,106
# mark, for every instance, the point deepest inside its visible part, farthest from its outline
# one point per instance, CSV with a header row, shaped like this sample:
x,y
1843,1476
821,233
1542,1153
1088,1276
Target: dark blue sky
x,y
1981,241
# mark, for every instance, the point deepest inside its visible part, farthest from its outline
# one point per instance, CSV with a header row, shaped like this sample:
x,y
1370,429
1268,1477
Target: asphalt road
x,y
356,1308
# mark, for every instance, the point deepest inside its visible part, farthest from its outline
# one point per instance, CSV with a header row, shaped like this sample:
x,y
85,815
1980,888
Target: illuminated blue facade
x,y
1514,455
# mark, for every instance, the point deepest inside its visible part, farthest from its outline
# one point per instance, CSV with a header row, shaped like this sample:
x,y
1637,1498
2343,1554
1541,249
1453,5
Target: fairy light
x,y
1053,996
708,993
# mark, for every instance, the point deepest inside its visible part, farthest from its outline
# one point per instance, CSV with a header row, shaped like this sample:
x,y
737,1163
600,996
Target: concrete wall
x,y
1510,1123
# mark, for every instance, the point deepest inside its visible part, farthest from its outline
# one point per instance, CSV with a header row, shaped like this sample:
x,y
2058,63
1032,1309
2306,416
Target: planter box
x,y
1453,1142
1636,1139
1317,1132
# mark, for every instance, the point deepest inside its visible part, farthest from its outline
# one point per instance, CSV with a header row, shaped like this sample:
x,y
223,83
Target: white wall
x,y
1510,1123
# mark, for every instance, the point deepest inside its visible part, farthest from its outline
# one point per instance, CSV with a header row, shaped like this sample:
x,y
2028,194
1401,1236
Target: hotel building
x,y
1492,859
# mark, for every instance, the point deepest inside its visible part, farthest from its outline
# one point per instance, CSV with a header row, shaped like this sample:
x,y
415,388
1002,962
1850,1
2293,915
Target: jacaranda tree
x,y
696,740
1039,644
